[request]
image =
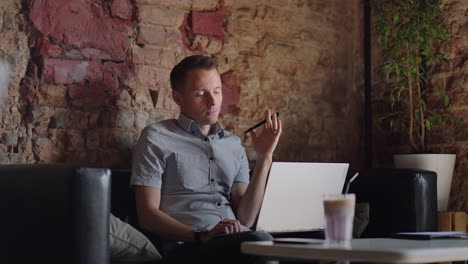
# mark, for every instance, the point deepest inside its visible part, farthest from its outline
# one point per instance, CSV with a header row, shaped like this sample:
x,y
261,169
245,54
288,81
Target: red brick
x,y
124,100
157,15
231,93
110,82
122,9
151,35
208,23
173,36
40,115
95,54
326,61
41,131
62,119
52,95
461,132
152,77
168,60
80,119
28,88
74,54
204,4
99,93
200,43
122,70
45,48
69,71
80,23
87,97
154,56
186,30
143,98
92,139
75,141
93,119
460,114
146,55
125,118
459,99
110,158
45,150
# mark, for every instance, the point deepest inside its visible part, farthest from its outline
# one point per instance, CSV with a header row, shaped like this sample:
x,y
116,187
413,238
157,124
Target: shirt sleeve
x,y
243,173
148,163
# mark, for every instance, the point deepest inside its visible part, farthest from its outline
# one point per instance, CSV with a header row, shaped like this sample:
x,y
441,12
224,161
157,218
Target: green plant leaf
x,y
428,125
396,17
424,105
446,100
399,93
391,98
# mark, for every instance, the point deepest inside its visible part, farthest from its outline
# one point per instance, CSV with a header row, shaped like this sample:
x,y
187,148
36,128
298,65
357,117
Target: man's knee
x,y
259,236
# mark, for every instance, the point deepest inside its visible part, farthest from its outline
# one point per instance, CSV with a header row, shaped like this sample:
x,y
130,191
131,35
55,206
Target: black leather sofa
x,y
60,214
400,200
54,214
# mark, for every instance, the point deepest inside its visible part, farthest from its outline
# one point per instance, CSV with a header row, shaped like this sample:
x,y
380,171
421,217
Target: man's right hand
x,y
226,226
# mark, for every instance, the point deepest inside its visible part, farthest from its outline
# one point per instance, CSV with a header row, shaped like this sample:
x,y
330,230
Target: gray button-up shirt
x,y
194,172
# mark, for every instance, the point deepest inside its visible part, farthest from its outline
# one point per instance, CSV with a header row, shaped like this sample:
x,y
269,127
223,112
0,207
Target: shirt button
x,y
218,204
211,158
206,139
212,180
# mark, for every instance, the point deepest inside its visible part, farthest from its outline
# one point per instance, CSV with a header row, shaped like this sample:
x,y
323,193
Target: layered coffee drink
x,y
339,215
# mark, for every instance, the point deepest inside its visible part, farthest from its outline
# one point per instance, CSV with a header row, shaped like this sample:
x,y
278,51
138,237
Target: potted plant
x,y
408,31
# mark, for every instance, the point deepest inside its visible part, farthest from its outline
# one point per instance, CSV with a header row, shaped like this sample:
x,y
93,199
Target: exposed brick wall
x,y
91,86
453,77
15,143
74,96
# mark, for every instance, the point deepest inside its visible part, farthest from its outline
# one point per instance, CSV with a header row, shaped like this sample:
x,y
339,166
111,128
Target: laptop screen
x,y
294,193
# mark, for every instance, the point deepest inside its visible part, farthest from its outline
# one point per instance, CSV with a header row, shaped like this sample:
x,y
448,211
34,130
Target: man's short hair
x,y
179,72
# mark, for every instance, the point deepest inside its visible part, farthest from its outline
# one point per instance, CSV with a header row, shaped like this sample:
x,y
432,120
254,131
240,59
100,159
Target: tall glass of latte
x,y
339,215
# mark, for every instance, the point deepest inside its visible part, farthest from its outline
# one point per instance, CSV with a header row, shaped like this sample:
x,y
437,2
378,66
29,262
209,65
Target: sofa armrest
x,y
91,215
54,214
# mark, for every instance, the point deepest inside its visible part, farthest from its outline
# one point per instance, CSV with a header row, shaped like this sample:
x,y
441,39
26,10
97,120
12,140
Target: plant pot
x,y
442,164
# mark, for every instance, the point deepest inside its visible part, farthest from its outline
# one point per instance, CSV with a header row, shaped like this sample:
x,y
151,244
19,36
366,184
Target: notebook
x,y
293,200
430,235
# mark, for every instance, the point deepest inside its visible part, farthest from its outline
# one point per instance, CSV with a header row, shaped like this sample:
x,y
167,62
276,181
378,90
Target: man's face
x,y
201,96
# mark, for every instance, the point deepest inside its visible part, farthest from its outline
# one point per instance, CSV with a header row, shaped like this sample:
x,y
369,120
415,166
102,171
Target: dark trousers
x,y
218,250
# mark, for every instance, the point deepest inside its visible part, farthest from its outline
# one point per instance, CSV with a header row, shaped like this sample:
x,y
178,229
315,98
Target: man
x,y
191,177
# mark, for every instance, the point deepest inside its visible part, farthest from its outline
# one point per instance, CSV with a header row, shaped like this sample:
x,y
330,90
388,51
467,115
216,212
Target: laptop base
x,y
319,234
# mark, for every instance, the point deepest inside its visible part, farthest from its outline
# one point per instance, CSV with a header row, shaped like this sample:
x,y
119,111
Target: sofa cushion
x,y
129,245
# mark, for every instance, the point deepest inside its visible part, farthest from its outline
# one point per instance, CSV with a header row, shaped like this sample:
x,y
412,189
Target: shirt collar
x,y
192,127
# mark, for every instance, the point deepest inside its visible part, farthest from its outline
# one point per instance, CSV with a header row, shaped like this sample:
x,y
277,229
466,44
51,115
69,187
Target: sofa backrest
x,y
400,200
122,196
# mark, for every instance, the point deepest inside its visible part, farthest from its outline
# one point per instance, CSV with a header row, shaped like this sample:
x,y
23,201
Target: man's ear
x,y
177,96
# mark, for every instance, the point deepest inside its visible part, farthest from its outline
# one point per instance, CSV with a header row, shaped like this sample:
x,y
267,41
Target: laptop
x,y
293,196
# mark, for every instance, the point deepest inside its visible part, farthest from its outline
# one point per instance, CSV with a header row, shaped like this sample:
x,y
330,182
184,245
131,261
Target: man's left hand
x,y
265,143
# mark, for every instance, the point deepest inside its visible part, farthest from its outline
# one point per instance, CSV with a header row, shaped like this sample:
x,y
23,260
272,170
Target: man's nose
x,y
210,99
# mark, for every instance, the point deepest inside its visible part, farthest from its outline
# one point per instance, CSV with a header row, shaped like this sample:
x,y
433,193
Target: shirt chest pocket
x,y
192,171
227,170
